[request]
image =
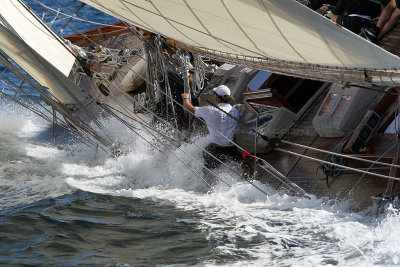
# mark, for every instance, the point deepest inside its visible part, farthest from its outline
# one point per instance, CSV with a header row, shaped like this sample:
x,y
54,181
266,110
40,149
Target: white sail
x,y
269,32
36,35
59,85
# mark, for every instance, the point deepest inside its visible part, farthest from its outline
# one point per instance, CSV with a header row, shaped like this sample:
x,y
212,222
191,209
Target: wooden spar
x,y
305,71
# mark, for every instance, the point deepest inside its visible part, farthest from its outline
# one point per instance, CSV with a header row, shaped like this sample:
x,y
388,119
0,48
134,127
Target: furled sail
x,y
36,34
59,85
281,36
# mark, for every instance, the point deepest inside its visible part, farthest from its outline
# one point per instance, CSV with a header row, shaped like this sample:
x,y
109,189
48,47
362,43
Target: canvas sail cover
x,y
36,35
280,35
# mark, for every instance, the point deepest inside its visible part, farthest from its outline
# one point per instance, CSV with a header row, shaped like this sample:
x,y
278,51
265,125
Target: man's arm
x,y
187,103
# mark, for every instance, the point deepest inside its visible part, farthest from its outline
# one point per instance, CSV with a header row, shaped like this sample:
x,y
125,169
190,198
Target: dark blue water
x,y
62,203
89,15
93,229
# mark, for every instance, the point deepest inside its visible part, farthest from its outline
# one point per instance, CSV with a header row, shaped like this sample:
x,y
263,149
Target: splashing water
x,y
235,225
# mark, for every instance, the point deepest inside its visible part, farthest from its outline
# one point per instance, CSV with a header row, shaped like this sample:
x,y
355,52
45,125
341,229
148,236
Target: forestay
x,y
277,35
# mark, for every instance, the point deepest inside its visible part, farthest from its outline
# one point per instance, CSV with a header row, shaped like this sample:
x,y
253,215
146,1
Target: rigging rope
x,y
52,10
172,152
53,102
363,175
170,97
338,165
57,12
128,111
75,134
273,64
276,174
177,146
66,89
339,154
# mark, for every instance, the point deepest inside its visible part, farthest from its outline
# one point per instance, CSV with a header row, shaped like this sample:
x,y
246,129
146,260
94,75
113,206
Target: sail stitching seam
x,y
242,30
167,20
204,26
130,10
189,27
279,30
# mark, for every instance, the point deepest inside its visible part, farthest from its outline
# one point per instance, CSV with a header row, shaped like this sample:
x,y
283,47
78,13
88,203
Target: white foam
x,y
18,120
245,226
241,219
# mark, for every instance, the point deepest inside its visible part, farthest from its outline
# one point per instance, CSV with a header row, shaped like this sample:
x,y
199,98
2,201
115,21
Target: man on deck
x,y
387,21
353,14
221,121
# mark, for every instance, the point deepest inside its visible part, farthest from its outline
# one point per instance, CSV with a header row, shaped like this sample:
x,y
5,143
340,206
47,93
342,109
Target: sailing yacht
x,y
316,100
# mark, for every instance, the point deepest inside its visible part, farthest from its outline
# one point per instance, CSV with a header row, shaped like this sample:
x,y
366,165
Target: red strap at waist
x,y
246,154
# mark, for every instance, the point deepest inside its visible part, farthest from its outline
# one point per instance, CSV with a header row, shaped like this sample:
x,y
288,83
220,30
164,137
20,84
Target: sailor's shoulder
x,y
235,109
205,111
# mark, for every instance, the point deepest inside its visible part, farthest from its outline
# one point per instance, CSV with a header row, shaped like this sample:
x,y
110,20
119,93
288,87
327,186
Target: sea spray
x,y
236,225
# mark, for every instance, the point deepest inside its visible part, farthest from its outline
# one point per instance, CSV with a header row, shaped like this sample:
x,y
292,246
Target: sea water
x,y
63,203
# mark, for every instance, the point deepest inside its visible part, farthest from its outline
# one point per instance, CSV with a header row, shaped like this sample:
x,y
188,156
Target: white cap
x,y
222,90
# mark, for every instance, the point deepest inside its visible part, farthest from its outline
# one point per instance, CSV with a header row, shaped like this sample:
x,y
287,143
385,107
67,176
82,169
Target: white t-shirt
x,y
220,121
